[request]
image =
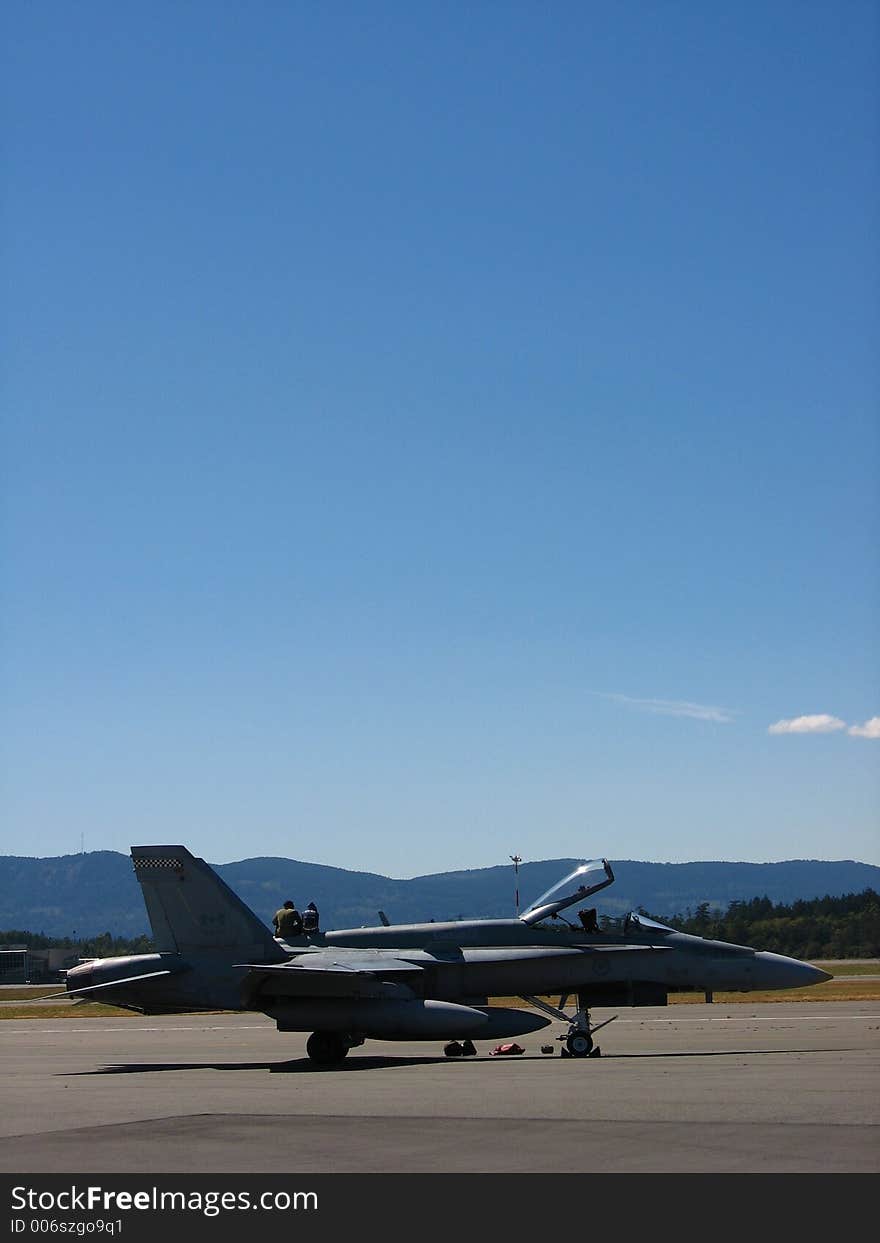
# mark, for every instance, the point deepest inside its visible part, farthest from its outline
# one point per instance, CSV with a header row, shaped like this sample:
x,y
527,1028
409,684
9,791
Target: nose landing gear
x,y
578,1040
579,1044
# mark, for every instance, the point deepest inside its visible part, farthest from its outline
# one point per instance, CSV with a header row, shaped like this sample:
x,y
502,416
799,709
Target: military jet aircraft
x,y
428,981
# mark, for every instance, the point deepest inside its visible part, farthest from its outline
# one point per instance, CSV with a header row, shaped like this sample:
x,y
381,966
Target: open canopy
x,y
587,878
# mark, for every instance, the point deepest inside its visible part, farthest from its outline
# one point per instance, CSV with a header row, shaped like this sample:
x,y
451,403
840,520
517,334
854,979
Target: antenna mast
x,y
516,860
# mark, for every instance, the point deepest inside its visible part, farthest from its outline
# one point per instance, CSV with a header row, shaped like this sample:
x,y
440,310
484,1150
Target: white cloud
x,y
870,729
821,723
675,707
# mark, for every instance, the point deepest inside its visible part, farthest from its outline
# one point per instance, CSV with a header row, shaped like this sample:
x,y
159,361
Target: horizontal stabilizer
x,y
94,988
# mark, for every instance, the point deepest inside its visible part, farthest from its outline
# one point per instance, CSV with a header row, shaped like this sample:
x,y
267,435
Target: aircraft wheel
x,y
579,1044
326,1048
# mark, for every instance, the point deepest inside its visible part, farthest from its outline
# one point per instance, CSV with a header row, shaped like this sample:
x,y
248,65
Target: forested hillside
x,y
845,927
81,896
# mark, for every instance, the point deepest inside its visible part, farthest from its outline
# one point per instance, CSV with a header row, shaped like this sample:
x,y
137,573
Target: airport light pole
x,y
516,860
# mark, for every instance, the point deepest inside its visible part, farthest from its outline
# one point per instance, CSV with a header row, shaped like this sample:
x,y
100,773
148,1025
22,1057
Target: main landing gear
x,y
329,1048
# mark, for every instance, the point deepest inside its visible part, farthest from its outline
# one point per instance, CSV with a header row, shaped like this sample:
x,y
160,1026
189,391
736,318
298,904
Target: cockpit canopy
x,y
636,922
587,878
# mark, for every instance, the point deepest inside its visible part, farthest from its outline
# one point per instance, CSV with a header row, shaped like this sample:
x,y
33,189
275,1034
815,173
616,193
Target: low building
x,y
21,965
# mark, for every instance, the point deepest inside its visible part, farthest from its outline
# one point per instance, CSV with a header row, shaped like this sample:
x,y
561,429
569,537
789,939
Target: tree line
x,y
844,927
104,945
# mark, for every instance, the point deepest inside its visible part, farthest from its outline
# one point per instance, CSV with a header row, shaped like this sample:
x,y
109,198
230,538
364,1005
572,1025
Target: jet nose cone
x,y
777,971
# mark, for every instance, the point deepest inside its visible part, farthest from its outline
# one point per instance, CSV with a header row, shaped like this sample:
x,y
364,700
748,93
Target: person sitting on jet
x,y
287,921
588,919
310,918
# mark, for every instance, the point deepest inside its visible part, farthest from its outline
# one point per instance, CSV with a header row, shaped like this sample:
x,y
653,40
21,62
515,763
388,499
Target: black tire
x,y
579,1044
326,1048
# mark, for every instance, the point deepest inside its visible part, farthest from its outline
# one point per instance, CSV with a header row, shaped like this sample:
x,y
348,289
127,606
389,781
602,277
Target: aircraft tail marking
x,y
191,908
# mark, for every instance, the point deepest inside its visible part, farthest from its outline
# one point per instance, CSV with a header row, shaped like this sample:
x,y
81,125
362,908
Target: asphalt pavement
x,y
775,1087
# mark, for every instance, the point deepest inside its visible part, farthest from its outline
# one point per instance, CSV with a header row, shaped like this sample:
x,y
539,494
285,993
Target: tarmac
x,y
773,1088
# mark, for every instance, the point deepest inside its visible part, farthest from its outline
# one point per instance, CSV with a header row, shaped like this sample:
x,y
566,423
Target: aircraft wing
x,y
323,975
324,963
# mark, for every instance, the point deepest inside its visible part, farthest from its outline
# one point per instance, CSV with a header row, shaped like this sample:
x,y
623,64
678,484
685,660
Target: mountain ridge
x,y
91,893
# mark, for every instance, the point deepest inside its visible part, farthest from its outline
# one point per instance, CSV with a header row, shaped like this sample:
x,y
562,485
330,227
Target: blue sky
x,y
439,432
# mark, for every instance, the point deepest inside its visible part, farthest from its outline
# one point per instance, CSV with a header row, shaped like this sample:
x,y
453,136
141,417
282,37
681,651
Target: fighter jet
x,y
429,981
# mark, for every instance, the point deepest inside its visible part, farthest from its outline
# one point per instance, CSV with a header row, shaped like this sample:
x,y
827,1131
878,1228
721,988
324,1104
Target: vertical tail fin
x,y
191,908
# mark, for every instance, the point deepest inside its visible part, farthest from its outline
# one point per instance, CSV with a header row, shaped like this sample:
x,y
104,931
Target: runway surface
x,y
780,1087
